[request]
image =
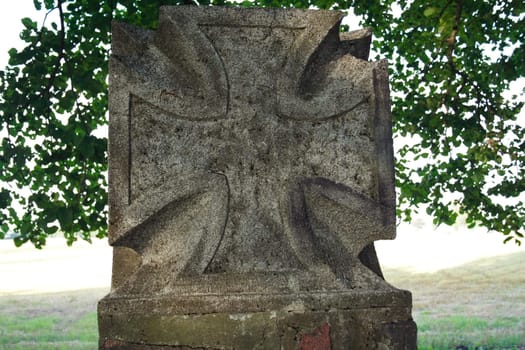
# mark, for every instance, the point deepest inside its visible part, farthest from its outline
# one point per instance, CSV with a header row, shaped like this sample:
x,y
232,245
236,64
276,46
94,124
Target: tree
x,y
467,152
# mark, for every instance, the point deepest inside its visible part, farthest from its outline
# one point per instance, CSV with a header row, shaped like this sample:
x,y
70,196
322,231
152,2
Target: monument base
x,y
316,320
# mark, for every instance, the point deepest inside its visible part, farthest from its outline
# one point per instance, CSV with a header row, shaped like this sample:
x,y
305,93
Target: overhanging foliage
x,y
467,150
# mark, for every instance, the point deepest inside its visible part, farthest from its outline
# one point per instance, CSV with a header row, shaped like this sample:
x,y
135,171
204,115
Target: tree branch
x,y
452,38
44,23
56,68
443,10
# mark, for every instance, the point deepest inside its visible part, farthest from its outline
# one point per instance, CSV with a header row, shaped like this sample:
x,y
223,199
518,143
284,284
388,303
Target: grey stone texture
x,y
251,170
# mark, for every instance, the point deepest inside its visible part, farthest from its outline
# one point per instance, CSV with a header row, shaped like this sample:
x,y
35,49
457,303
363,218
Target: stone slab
x,y
339,321
250,172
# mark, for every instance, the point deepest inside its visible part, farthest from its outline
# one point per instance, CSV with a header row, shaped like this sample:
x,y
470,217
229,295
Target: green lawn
x,y
48,332
480,306
472,332
52,321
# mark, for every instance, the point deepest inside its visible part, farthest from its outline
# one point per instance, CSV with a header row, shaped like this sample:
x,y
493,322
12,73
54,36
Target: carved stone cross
x,y
250,154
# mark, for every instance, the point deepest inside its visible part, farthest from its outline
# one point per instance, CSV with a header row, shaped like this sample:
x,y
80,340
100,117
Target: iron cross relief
x,y
248,148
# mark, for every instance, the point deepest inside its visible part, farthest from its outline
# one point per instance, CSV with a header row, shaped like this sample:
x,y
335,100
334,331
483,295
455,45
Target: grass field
x,y
50,321
480,305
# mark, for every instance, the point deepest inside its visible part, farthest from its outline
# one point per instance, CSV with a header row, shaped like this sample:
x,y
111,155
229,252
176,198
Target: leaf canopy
x,y
451,61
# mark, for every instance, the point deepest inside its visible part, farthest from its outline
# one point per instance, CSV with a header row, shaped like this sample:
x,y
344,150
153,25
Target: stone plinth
x,y
251,170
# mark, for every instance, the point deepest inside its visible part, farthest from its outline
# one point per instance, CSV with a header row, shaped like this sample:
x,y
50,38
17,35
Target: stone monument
x,y
251,170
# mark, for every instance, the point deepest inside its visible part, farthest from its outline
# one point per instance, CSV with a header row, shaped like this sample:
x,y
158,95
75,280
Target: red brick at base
x,y
318,340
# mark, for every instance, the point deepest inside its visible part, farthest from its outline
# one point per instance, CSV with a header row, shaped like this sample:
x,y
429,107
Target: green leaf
x,y
65,217
5,199
37,4
29,23
20,240
430,11
51,230
50,4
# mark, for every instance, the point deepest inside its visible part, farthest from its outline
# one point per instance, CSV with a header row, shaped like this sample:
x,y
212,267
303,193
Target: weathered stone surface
x,y
251,170
351,325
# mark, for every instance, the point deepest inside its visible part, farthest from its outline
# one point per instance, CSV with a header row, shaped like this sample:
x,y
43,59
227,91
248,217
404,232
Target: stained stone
x,y
251,170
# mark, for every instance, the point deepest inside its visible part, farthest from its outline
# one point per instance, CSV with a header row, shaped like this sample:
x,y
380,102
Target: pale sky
x,y
11,26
